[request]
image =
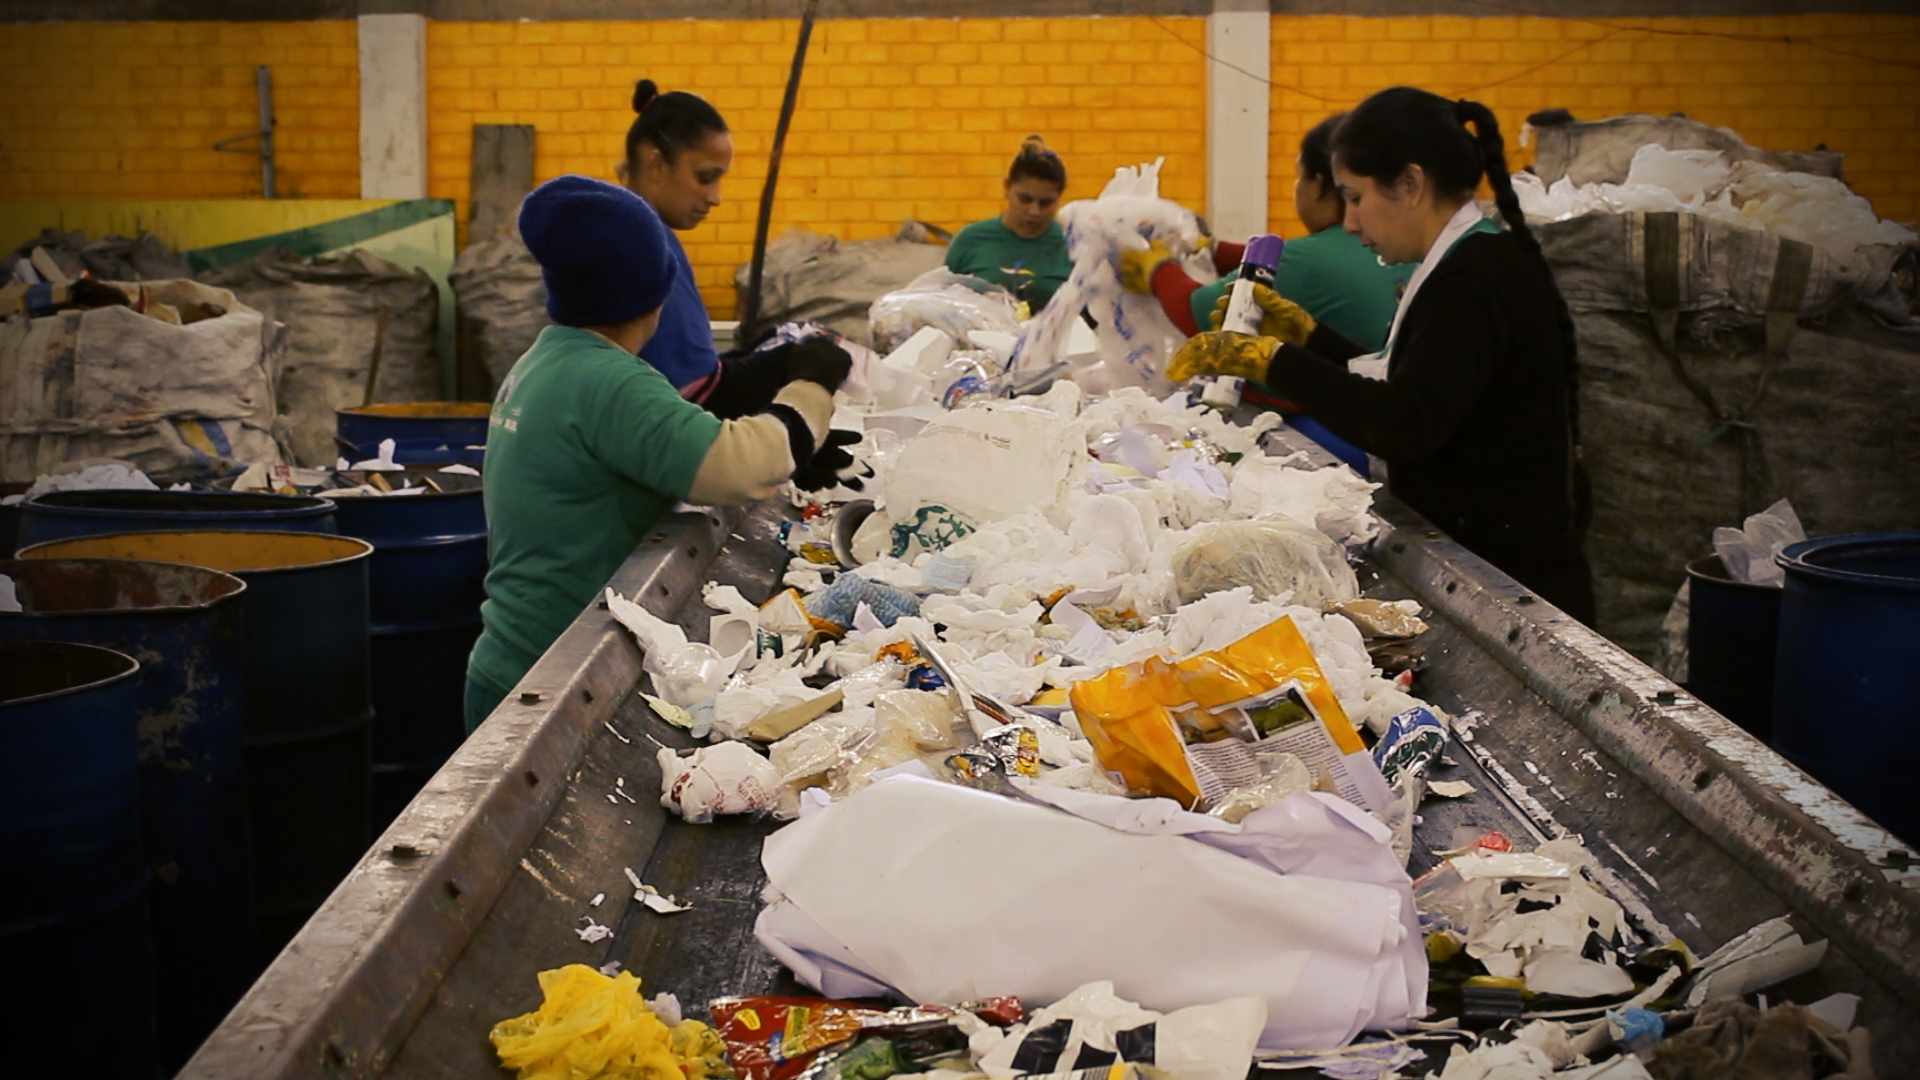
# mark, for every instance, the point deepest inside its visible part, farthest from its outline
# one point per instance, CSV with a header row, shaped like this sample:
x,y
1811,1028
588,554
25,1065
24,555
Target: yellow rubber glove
x,y
1280,318
1137,267
1219,353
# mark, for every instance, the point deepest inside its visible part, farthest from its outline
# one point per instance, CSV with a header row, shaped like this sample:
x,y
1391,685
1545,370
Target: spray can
x,y
1256,268
1243,315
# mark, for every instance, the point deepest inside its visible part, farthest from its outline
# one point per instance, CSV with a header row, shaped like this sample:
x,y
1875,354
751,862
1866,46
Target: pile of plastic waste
x,y
1817,210
1076,707
89,476
376,477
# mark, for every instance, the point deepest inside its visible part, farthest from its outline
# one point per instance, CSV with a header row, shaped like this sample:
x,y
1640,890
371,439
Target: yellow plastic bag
x,y
1148,720
1279,654
1135,736
595,1027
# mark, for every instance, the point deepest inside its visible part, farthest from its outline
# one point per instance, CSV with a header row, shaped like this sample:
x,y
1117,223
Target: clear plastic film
x,y
1276,557
949,302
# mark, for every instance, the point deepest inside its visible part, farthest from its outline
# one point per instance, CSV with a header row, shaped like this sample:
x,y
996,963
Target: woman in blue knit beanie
x,y
590,444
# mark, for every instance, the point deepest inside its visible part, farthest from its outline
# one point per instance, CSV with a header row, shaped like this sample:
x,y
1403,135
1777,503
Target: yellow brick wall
x,y
1732,72
917,118
897,118
132,110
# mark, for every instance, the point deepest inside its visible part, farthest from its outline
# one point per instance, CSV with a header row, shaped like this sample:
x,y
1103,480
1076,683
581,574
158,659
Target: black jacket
x,y
1476,419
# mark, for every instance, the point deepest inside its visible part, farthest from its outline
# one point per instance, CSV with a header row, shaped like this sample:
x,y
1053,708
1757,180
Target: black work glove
x,y
832,465
818,360
748,383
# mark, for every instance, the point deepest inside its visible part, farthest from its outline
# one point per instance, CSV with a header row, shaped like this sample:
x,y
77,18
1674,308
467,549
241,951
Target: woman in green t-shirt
x,y
589,445
1022,250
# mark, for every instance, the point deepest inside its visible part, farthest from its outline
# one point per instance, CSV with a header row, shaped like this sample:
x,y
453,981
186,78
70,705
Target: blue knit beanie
x,y
602,251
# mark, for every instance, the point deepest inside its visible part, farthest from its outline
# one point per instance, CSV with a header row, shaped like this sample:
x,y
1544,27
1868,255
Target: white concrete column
x,y
393,107
1239,33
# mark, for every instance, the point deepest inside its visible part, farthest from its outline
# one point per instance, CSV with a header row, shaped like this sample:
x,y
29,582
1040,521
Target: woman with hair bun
x,y
678,149
1023,249
1476,416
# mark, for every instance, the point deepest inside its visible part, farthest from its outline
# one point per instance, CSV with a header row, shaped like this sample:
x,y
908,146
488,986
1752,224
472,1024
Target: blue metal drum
x,y
428,576
307,719
452,426
73,912
186,627
58,515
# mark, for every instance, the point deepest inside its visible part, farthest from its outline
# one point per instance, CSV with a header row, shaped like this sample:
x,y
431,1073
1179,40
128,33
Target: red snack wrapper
x,y
776,1038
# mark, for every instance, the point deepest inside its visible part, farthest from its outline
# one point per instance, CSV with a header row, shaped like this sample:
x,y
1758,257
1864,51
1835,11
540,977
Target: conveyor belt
x,y
482,882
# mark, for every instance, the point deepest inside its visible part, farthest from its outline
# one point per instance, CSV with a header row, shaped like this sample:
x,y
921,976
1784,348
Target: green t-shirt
x,y
1032,270
588,446
1336,278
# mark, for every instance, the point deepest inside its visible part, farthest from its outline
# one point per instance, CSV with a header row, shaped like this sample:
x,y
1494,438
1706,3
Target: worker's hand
x,y
1137,267
832,465
1219,353
1280,318
818,360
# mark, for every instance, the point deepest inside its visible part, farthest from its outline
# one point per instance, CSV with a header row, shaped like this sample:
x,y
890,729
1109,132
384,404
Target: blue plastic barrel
x,y
185,626
455,425
307,721
58,515
1843,702
1731,630
73,913
427,579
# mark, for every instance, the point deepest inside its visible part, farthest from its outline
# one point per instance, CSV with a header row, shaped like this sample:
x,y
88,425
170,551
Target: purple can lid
x,y
1263,250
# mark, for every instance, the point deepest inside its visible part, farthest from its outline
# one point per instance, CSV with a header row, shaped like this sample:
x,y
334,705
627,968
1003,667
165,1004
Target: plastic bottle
x,y
1243,314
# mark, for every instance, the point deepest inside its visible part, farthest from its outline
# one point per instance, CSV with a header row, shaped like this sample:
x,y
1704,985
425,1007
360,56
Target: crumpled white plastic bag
x,y
1748,552
985,462
79,476
1334,500
1135,336
725,778
1692,176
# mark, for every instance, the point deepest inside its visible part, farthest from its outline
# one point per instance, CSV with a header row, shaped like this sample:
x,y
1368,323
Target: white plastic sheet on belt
x,y
950,894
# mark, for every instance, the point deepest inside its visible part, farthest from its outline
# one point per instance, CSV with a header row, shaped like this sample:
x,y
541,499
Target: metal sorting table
x,y
438,933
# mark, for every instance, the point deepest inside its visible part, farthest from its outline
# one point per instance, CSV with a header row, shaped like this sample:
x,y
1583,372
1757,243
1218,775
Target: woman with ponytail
x,y
1472,402
1023,249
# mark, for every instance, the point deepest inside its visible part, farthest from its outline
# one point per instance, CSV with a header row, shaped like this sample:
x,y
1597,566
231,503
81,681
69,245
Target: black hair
x,y
671,122
1035,161
1316,153
1405,126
